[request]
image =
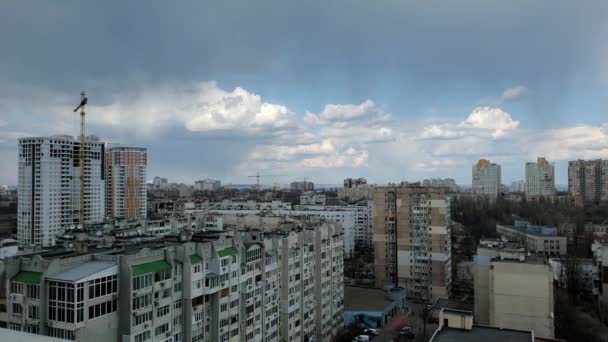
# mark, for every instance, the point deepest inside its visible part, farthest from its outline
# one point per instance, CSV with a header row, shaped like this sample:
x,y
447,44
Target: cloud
x,y
495,120
342,114
513,93
568,143
197,107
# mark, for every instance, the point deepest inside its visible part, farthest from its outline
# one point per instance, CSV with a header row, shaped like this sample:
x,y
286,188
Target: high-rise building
x,y
49,186
540,178
207,185
264,285
355,189
411,237
518,186
302,186
486,178
125,176
448,183
588,181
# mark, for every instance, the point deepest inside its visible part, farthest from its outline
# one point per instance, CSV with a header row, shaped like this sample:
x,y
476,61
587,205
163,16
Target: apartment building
x,y
540,178
536,239
588,181
49,186
302,186
312,198
448,183
250,285
125,175
513,290
518,186
486,178
355,189
411,237
207,185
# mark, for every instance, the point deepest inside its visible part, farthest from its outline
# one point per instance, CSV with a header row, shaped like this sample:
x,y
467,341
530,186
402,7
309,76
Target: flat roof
x,y
82,271
482,334
365,299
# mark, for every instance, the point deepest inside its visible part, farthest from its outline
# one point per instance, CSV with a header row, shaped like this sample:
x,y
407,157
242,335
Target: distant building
x,y
302,186
513,291
518,186
537,239
588,181
207,185
411,237
448,183
355,189
540,178
486,178
49,186
126,193
312,198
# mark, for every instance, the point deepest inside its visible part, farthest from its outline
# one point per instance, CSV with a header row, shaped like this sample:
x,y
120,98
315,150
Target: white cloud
x,y
345,113
567,143
513,93
201,107
495,120
440,132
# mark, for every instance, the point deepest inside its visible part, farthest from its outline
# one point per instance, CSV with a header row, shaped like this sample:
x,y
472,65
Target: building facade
x,y
518,186
49,186
540,178
302,186
355,189
411,238
536,239
207,185
125,175
588,181
253,286
513,291
486,178
448,183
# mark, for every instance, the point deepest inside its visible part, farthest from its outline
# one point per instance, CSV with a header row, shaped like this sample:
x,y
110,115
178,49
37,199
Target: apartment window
x,y
177,287
162,275
103,286
224,262
142,301
103,309
143,337
33,312
161,329
33,291
16,287
17,309
223,307
142,318
162,311
197,268
62,333
142,281
66,302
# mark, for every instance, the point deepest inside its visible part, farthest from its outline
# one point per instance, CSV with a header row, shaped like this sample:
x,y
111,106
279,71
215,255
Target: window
x,y
223,307
177,287
16,287
142,301
142,318
142,281
17,309
143,337
161,329
103,309
197,268
197,284
177,304
66,302
162,275
62,333
33,291
162,311
33,312
103,286
14,326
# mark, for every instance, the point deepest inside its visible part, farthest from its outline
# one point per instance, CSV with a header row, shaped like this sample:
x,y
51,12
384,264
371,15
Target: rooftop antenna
x,y
81,106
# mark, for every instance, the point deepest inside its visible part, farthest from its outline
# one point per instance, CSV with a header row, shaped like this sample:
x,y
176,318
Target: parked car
x,y
371,332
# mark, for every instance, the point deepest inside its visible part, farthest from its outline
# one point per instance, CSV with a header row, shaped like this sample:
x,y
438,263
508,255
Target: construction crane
x,y
257,177
81,107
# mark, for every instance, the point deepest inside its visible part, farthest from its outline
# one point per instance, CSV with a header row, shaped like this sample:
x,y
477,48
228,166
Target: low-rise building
x,y
371,307
312,198
536,239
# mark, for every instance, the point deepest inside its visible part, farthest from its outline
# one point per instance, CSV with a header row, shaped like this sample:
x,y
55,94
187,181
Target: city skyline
x,y
435,89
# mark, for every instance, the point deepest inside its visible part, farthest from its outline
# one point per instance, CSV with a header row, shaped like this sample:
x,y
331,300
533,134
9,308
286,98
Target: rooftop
x,y
481,334
365,299
82,271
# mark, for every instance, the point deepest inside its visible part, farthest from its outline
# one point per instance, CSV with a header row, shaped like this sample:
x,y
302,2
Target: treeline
x,y
481,215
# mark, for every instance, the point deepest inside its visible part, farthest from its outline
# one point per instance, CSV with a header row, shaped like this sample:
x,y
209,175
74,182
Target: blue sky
x,y
388,90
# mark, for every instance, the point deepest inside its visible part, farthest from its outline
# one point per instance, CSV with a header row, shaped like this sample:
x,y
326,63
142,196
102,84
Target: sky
x,y
323,90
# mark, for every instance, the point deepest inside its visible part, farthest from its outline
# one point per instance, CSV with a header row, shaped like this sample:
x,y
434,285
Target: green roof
x,y
227,252
195,259
150,267
28,277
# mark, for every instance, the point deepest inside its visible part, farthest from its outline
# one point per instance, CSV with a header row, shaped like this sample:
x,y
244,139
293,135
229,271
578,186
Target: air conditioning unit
x,y
115,296
162,284
168,334
156,302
